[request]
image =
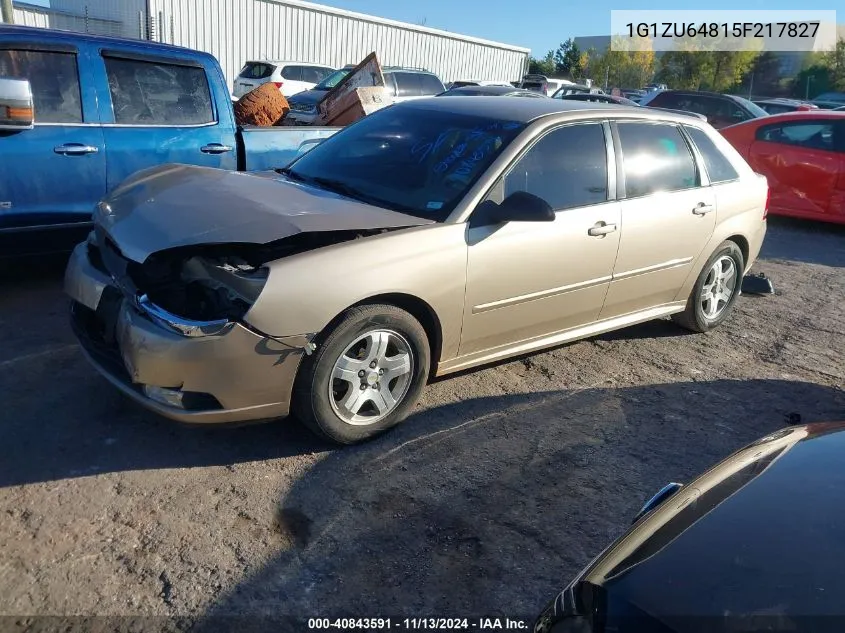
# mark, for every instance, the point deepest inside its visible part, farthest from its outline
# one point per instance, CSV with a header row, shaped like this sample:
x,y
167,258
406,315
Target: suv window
x,y
154,93
257,70
407,84
655,157
719,168
566,168
809,134
292,73
431,85
315,74
54,79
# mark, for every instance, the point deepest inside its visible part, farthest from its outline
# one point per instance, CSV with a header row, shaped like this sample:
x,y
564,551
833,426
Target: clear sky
x,y
542,24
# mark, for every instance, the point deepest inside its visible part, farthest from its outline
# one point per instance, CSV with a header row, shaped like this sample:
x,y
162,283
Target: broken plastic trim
x,y
180,325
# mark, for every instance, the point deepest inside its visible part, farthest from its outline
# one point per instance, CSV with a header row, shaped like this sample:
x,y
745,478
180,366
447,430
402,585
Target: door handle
x,y
215,148
703,209
601,229
75,149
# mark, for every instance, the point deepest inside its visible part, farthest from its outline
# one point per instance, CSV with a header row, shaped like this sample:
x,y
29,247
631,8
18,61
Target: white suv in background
x,y
290,77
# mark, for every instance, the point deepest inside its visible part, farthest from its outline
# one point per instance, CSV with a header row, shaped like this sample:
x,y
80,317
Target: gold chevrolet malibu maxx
x,y
430,237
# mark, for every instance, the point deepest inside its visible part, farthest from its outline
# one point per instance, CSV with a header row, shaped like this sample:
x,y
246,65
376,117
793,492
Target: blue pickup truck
x,y
80,113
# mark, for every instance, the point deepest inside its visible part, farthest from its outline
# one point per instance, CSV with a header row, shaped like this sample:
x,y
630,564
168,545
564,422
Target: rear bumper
x,y
754,246
238,375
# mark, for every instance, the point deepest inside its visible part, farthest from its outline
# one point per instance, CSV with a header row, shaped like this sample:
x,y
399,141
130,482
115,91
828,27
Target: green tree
x,y
764,77
568,59
834,61
545,66
812,81
624,64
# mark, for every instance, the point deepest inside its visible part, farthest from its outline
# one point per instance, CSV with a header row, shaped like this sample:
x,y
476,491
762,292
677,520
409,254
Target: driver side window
x,y
567,168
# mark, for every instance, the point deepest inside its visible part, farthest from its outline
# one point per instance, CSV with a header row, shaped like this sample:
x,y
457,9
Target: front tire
x,y
715,291
366,375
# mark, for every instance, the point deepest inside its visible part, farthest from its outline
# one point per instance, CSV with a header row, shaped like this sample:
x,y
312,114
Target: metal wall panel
x,y
237,30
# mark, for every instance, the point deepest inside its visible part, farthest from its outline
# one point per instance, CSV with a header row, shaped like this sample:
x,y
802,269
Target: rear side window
x,y
153,93
257,70
655,158
718,167
407,84
292,73
567,168
431,85
315,74
54,79
809,134
666,100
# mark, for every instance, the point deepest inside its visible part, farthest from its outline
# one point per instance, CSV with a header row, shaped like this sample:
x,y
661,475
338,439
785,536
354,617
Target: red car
x,y
802,154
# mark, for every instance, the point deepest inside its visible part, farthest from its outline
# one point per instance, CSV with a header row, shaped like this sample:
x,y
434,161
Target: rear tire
x,y
715,291
365,376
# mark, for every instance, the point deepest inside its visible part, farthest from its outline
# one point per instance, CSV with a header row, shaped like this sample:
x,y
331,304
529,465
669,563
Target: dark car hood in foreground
x,y
179,205
759,536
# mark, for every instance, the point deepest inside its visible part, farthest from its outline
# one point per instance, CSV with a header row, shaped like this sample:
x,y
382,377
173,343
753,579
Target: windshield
x,y
332,80
752,107
407,159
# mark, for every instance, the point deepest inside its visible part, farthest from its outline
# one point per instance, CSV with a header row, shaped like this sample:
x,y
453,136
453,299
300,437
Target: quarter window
x,y
719,168
655,158
567,168
152,93
315,74
54,80
809,134
407,84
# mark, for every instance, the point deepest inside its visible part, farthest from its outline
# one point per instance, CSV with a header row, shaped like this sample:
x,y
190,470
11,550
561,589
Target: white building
x,y
237,30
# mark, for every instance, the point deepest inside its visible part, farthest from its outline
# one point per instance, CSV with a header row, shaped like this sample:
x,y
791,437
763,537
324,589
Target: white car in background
x,y
290,77
460,83
543,84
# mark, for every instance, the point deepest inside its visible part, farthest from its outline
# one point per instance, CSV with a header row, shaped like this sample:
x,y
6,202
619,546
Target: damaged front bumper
x,y
204,372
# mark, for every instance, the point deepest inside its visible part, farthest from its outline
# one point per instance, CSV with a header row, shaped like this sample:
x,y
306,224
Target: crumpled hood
x,y
179,205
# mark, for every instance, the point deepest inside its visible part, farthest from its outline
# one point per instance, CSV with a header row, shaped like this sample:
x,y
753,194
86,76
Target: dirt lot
x,y
504,483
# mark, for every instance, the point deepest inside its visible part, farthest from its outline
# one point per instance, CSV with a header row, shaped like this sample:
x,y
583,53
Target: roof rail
x,y
423,70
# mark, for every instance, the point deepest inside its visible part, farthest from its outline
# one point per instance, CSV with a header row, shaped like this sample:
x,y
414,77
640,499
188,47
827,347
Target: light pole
x,y
807,89
8,11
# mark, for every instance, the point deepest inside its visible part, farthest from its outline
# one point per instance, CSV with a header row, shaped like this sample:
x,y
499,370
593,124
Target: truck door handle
x,y
215,148
75,149
703,209
601,229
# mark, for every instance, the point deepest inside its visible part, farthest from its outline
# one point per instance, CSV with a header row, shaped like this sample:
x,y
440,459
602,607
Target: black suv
x,y
720,110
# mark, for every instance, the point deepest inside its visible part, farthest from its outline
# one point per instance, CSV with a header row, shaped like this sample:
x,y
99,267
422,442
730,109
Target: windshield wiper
x,y
351,192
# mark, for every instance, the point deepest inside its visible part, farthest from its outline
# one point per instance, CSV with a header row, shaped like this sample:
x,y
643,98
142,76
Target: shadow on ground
x,y
804,241
489,506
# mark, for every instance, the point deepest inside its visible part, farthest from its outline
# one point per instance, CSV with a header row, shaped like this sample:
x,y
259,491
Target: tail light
x,y
278,84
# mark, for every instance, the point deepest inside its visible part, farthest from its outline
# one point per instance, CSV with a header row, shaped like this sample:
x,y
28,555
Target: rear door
x,y
291,77
55,173
160,110
667,217
803,162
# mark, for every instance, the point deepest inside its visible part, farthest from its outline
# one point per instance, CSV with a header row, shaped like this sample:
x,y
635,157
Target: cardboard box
x,y
356,104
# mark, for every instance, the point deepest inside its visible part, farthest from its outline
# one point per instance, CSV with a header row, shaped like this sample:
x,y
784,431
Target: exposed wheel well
x,y
740,241
422,312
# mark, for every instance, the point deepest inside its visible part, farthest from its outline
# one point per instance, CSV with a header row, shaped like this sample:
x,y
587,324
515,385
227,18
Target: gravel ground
x,y
502,485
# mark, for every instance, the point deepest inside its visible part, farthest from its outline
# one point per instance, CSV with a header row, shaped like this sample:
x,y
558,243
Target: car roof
x,y
528,110
405,69
287,62
798,115
489,90
698,93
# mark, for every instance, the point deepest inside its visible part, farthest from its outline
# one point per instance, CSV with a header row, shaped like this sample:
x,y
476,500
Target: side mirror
x,y
16,107
520,206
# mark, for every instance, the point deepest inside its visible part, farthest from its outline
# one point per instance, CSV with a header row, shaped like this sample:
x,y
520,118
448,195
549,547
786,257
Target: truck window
x,y
153,93
54,79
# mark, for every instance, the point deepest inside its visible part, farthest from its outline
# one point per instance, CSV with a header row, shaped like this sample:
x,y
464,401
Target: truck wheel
x,y
715,291
265,106
365,376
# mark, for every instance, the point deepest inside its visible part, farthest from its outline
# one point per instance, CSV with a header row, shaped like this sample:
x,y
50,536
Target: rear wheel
x,y
365,376
715,291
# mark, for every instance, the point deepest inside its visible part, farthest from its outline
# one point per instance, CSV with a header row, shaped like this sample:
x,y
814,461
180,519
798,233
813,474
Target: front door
x,y
668,218
161,112
53,174
527,280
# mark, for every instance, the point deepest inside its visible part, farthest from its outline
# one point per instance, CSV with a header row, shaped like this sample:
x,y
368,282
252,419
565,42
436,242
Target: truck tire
x,y
265,106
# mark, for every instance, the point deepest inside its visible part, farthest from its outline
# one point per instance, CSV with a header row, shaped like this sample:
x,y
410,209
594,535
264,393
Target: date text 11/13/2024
x,y
419,624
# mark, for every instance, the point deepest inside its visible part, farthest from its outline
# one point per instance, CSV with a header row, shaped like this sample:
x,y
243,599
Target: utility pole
x,y
807,89
751,86
8,11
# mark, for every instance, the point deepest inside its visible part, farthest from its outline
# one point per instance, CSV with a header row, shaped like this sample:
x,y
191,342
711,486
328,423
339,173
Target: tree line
x,y
632,64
